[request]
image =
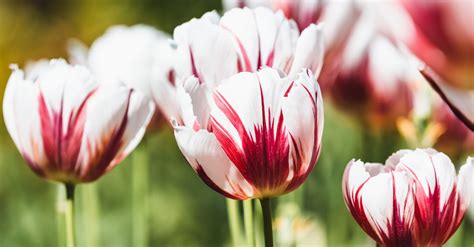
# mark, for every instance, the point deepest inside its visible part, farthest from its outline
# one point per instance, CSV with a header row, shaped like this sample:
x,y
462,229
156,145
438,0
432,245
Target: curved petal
x,y
22,119
460,101
380,201
254,138
309,51
388,203
194,102
126,54
303,115
104,131
203,152
208,49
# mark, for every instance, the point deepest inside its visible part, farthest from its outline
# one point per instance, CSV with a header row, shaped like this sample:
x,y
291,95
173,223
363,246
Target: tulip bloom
x,y
140,56
257,135
215,48
428,200
444,40
339,19
373,84
57,120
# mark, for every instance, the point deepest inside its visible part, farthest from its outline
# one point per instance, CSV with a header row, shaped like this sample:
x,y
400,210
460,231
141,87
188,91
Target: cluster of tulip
x,y
241,92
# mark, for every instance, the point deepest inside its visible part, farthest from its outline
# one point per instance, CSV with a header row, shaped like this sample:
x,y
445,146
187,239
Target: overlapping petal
x,y
61,128
433,203
258,142
380,199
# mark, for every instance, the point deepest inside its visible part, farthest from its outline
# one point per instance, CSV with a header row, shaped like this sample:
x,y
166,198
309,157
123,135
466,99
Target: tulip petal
x,y
111,136
304,124
461,102
23,121
309,51
199,40
254,138
203,152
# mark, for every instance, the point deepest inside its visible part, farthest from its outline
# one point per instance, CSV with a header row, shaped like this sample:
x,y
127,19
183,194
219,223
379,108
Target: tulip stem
x,y
69,215
234,221
248,222
140,196
267,221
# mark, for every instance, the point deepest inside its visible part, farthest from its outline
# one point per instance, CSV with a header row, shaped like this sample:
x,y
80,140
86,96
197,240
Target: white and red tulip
x,y
256,135
339,18
444,40
373,83
246,40
140,56
430,199
380,199
67,126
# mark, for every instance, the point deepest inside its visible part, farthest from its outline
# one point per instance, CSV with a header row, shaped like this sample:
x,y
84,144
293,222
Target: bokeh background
x,y
183,210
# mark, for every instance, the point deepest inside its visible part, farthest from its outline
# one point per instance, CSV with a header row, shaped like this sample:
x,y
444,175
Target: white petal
x,y
431,170
379,195
21,116
465,183
103,124
309,52
203,151
140,111
208,49
126,54
64,88
266,85
302,109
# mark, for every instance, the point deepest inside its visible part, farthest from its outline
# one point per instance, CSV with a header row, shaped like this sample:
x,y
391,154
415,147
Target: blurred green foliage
x,y
184,211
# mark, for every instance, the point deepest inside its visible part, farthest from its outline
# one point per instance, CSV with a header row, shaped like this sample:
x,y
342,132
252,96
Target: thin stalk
x,y
140,197
234,221
90,212
258,224
69,215
267,221
248,222
60,216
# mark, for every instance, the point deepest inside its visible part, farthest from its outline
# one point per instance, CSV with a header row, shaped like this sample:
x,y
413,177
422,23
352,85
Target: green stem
x,y
267,221
69,214
60,209
248,222
234,221
140,197
90,212
258,224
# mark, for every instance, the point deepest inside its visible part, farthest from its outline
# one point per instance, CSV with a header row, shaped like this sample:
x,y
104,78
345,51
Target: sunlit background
x,y
183,210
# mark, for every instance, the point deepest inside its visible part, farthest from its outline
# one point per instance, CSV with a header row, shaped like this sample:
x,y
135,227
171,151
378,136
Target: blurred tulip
x,y
338,18
258,135
373,84
216,47
140,56
444,40
426,203
57,120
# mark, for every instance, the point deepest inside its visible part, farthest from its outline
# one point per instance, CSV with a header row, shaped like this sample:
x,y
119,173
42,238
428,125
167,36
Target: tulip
x,y
57,120
415,199
444,40
257,135
339,19
213,48
380,200
216,47
373,84
140,56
